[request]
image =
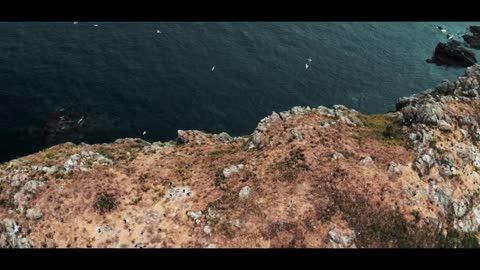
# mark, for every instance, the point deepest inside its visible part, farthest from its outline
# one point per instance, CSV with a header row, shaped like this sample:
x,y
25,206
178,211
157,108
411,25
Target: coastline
x,y
306,177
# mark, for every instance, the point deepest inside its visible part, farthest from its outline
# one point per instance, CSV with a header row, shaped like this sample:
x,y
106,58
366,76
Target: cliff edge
x,y
307,177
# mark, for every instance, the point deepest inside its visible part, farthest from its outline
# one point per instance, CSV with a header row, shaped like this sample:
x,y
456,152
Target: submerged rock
x,y
452,54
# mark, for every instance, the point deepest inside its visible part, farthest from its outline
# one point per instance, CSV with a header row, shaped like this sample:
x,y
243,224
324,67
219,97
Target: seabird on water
x,y
159,32
144,133
309,59
75,22
306,66
95,25
213,68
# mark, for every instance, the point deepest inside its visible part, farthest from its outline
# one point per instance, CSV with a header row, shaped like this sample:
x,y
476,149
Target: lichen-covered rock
x,y
444,126
471,221
32,186
11,236
85,160
196,216
232,170
34,213
394,168
244,193
297,134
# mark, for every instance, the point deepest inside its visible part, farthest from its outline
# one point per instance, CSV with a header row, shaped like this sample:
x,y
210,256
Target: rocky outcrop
x,y
473,40
452,54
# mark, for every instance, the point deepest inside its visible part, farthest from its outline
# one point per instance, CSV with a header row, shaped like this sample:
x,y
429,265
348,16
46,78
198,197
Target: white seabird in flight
x,y
306,66
144,133
159,32
213,68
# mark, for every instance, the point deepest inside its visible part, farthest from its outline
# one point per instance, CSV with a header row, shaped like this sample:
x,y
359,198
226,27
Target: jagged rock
x,y
460,208
441,195
196,216
355,121
426,113
71,162
232,170
182,137
11,235
464,133
32,186
244,193
327,111
77,161
405,101
471,221
339,107
336,155
341,240
18,179
425,162
444,126
452,54
445,88
448,166
394,168
224,137
471,93
259,140
366,160
300,109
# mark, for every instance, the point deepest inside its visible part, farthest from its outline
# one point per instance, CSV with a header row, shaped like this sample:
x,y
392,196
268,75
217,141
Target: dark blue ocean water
x,y
125,78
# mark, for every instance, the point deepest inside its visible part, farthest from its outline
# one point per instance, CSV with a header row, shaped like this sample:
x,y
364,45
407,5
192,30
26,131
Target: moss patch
x,y
384,128
289,168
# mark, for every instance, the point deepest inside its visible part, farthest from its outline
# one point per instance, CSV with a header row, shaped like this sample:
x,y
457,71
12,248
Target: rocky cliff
x,y
307,177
